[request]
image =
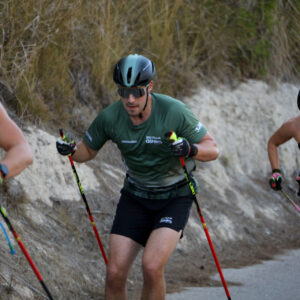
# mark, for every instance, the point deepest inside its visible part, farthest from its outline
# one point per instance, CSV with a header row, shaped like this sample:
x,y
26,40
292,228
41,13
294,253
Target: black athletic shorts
x,y
137,217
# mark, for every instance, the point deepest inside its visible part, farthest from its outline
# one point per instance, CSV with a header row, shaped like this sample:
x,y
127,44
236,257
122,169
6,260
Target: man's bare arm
x,y
83,153
207,149
280,136
18,153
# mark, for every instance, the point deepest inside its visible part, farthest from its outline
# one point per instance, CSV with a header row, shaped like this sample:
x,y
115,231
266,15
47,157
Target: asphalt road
x,y
277,279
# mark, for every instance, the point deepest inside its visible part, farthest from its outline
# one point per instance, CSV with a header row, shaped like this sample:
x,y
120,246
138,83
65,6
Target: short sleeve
x,y
189,126
95,137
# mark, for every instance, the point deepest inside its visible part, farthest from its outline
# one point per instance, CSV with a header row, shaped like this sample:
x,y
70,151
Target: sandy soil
x,y
247,221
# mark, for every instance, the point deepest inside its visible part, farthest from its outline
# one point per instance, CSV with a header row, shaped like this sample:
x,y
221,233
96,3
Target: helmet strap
x,y
141,113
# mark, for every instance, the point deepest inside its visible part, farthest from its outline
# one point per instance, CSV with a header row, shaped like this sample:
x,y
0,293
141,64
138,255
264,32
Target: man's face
x,y
134,99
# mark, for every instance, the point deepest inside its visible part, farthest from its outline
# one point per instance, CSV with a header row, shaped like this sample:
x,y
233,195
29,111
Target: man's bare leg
x,y
122,252
159,248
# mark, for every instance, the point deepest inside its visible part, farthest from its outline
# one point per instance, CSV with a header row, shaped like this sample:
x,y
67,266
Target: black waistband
x,y
158,189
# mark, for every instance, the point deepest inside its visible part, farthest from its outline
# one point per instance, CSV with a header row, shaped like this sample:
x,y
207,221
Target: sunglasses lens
x,y
135,92
123,92
138,93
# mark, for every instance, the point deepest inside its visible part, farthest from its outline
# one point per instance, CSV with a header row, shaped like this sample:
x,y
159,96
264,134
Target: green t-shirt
x,y
149,162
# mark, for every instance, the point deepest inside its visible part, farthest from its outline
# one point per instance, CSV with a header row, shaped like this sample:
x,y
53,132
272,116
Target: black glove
x,y
65,147
182,147
275,180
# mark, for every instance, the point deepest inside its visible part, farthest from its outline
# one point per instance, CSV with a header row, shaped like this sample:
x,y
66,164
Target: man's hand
x,y
65,147
182,147
275,180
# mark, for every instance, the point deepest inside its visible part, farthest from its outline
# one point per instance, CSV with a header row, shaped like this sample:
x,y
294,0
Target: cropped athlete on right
x,y
289,129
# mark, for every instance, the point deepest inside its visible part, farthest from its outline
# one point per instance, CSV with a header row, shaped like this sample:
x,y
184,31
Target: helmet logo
x,y
146,67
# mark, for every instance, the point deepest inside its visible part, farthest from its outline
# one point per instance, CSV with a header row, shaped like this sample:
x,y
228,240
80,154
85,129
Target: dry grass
x,y
57,55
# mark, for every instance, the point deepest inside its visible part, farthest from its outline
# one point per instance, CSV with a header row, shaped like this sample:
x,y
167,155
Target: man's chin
x,y
133,113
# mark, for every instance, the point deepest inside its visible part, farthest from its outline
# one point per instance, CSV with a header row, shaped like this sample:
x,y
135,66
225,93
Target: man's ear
x,y
150,87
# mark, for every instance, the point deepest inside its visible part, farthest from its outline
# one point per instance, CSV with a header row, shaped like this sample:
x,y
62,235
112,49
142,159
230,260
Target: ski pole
x,y
11,247
298,177
34,268
85,201
172,136
287,197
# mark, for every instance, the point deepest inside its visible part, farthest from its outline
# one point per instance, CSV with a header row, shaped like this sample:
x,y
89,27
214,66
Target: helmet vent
x,y
137,80
129,75
121,79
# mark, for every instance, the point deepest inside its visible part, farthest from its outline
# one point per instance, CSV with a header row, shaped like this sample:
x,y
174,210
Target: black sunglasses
x,y
136,92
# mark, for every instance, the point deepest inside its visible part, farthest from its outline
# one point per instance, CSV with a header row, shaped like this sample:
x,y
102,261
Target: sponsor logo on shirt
x,y
153,140
168,220
129,141
198,128
89,136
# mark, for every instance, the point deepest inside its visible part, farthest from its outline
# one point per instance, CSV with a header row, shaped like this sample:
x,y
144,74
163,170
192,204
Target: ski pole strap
x,y
11,247
187,176
173,137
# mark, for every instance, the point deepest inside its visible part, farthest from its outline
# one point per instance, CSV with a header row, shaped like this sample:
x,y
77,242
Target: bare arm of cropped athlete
x,y
288,130
18,153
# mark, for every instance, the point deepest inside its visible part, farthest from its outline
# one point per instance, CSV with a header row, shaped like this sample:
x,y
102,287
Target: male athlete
x,y
155,200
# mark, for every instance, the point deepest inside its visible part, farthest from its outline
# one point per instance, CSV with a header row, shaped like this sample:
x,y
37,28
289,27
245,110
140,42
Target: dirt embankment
x,y
247,221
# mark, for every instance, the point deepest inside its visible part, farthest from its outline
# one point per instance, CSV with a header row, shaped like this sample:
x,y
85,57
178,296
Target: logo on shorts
x,y
168,220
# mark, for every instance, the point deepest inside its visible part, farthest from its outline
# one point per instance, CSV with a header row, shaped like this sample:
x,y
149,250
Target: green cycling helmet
x,y
134,70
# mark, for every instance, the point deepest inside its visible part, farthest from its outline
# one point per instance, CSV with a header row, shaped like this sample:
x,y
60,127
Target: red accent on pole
x,y
98,239
37,273
182,161
287,197
26,254
212,250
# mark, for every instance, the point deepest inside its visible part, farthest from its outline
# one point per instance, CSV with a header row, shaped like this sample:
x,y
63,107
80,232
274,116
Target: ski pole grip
x,y
61,132
172,136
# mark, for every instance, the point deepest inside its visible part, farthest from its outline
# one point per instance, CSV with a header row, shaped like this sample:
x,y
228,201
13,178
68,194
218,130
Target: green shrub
x,y
59,54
